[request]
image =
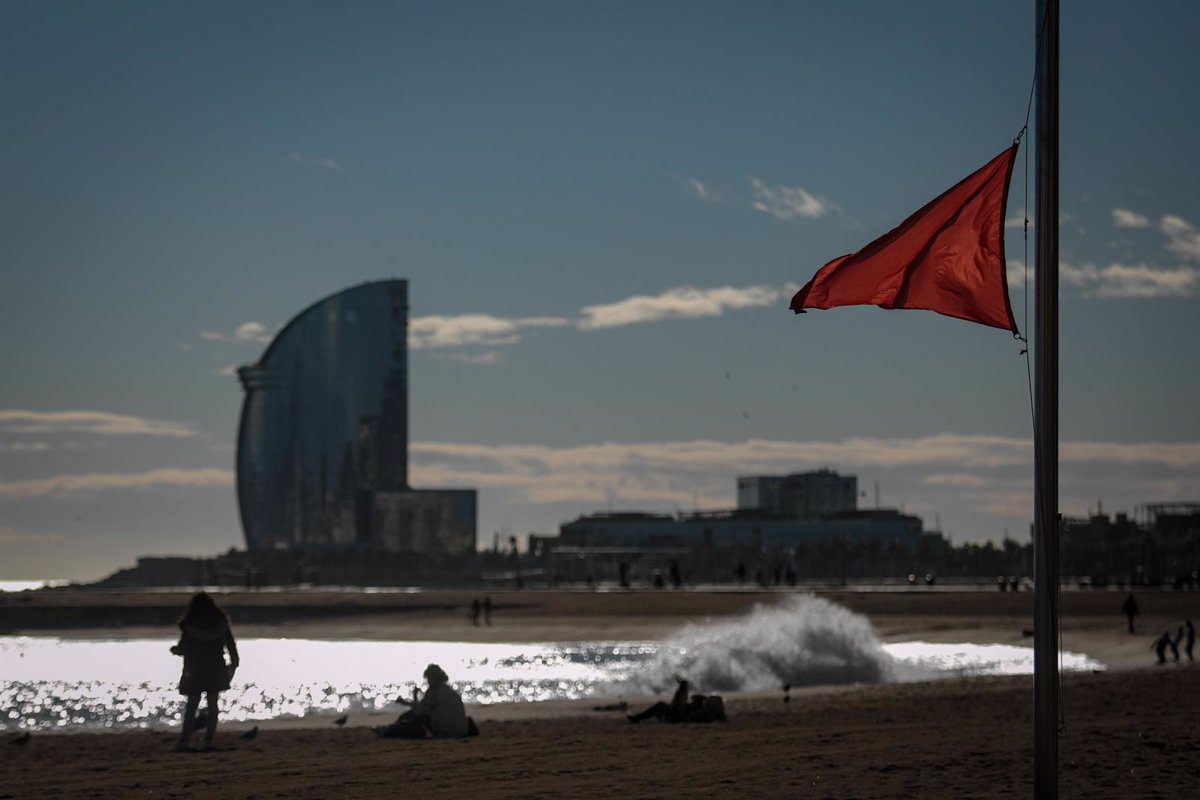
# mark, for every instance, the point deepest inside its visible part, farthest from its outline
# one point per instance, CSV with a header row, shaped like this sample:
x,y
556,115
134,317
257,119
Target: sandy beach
x,y
1130,729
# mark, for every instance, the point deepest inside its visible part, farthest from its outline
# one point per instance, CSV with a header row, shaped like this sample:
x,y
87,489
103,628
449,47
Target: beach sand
x,y
1131,731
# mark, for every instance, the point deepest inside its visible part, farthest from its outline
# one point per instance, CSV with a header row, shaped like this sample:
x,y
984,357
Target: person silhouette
x,y
1160,646
1130,609
205,635
487,610
438,713
475,606
1175,640
1190,640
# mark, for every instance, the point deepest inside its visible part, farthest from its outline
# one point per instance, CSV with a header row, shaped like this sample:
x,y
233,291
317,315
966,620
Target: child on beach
x,y
205,635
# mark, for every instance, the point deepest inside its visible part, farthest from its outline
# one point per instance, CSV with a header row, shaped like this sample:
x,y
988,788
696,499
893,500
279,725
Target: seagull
x,y
340,721
22,739
250,734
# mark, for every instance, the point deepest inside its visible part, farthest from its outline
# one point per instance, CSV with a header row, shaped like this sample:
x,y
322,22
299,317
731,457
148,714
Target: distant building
x,y
803,495
723,529
322,460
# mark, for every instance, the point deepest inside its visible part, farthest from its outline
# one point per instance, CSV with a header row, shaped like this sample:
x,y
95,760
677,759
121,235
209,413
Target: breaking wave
x,y
802,642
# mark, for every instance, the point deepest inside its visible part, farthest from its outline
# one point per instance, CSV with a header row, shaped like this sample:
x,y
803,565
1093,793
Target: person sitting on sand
x,y
205,636
701,708
438,713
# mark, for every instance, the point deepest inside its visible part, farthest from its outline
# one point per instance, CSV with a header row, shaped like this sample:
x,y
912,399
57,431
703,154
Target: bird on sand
x,y
341,721
22,739
250,734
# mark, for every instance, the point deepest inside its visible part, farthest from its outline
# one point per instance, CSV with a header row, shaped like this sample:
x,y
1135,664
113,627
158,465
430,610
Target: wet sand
x,y
1129,734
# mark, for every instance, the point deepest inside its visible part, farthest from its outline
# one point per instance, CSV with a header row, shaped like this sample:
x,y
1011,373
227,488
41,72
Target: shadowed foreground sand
x,y
1129,734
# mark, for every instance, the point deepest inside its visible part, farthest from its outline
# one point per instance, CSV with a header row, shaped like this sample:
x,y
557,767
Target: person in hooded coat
x,y
438,713
205,635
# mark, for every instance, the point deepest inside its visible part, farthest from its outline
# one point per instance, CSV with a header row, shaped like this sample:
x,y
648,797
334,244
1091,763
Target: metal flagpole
x,y
1045,530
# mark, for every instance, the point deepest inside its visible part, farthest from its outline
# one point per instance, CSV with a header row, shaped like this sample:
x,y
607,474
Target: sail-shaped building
x,y
322,456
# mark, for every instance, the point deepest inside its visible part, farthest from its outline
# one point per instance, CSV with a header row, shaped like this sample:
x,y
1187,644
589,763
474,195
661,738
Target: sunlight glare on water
x,y
52,683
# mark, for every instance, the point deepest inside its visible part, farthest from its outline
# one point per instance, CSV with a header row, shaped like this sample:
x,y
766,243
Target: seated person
x,y
702,708
438,713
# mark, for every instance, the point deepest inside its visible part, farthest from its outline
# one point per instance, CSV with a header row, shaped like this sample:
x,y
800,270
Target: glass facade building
x,y
322,459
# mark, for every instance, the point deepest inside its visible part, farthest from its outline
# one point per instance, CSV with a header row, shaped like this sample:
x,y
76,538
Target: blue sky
x,y
600,208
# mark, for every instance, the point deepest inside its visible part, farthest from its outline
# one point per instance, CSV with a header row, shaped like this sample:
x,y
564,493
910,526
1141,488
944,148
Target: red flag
x,y
948,257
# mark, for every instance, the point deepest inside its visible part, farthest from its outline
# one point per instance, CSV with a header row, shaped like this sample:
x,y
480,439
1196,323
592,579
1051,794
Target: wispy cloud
x,y
787,202
473,329
74,486
684,302
1124,218
702,190
489,358
1183,239
12,536
1119,281
100,423
246,333
326,163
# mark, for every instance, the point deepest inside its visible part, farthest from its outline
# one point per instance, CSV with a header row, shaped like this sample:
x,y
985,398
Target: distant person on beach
x,y
438,713
487,610
475,607
1130,610
1160,646
1175,640
700,708
205,636
1190,640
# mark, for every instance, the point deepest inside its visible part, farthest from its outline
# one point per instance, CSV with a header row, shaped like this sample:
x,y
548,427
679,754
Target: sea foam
x,y
803,641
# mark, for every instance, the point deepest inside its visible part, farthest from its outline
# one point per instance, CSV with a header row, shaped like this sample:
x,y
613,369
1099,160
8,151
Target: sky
x,y
602,210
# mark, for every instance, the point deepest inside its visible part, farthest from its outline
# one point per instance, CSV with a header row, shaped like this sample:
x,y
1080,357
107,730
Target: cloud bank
x,y
983,472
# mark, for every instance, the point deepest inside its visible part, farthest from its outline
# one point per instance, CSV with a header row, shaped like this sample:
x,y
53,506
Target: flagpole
x,y
1045,528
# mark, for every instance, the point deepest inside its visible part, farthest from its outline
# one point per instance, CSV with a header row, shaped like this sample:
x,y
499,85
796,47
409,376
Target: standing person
x,y
205,635
1160,646
1190,641
475,611
487,610
1175,640
1130,610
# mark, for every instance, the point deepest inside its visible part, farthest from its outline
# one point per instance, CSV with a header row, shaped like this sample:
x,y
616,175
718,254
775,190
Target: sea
x,y
55,683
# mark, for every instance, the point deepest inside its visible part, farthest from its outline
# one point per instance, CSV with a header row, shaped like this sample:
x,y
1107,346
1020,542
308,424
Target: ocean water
x,y
63,684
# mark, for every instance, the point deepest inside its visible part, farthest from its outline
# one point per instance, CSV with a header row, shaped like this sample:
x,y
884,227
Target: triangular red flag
x,y
948,257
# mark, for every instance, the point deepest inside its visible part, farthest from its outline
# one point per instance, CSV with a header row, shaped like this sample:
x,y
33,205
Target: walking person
x,y
1175,640
487,610
1190,638
205,635
1130,610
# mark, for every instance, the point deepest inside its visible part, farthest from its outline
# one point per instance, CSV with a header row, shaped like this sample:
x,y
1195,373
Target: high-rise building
x,y
322,456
